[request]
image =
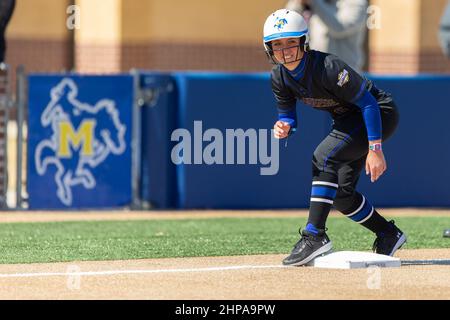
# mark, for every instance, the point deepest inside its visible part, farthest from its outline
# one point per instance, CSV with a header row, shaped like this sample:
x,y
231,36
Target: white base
x,y
354,260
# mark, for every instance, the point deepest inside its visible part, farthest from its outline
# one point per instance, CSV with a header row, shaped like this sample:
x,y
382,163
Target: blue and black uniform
x,y
360,112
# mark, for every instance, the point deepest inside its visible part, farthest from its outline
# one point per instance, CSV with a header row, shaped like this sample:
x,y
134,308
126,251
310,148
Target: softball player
x,y
363,117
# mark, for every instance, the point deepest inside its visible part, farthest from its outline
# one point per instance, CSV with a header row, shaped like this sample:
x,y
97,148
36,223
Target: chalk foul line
x,y
143,271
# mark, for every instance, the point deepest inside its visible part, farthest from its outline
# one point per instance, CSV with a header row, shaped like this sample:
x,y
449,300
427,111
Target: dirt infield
x,y
239,277
423,275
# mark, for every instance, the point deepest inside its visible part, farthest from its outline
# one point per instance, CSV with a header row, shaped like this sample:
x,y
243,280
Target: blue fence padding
x,y
79,141
416,155
159,119
243,101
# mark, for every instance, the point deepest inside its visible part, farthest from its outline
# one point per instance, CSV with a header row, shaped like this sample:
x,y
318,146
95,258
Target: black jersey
x,y
328,84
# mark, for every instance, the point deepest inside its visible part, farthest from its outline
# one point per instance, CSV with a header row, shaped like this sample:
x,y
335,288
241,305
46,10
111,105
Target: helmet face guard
x,y
270,52
283,24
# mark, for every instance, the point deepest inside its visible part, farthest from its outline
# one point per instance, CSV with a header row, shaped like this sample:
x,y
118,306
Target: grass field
x,y
121,240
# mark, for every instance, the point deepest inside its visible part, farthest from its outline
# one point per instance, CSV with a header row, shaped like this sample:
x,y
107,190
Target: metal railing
x,y
5,104
20,104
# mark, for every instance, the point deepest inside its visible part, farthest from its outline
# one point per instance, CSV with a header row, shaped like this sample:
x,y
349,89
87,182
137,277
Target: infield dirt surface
x,y
236,277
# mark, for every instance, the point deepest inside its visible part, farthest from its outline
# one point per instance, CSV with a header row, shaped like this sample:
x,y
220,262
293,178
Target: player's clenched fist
x,y
281,129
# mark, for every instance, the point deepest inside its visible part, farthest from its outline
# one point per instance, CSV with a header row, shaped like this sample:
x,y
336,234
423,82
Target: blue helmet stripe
x,y
285,35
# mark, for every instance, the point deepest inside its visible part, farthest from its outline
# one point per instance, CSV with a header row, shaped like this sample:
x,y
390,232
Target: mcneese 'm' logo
x,y
83,136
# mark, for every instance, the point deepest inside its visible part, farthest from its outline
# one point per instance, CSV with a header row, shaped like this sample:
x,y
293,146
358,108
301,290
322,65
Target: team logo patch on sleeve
x,y
343,78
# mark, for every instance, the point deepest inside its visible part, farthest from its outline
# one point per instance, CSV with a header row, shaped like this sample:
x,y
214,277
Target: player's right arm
x,y
286,107
281,129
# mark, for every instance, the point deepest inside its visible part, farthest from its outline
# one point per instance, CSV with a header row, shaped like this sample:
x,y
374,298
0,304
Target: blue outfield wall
x,y
158,120
246,102
417,154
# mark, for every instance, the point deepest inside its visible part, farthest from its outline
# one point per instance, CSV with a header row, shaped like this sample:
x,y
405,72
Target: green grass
x,y
110,240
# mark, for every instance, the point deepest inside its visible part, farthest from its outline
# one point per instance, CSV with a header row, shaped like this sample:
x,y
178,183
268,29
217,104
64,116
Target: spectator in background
x,y
6,11
444,33
336,26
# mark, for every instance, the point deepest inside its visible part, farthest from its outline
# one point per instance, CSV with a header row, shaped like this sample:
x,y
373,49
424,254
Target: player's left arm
x,y
347,85
375,163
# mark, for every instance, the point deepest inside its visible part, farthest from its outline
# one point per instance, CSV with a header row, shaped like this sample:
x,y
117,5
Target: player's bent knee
x,y
345,198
